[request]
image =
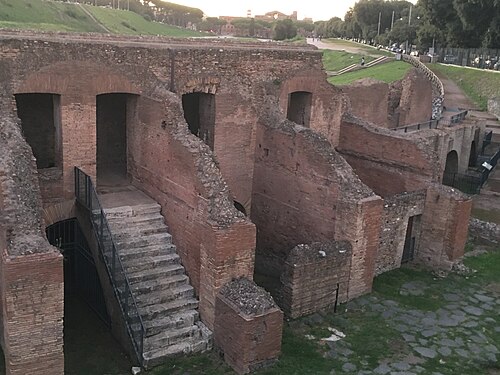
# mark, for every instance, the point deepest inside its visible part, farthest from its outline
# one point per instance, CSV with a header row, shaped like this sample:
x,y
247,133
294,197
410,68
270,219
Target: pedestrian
x,y
363,61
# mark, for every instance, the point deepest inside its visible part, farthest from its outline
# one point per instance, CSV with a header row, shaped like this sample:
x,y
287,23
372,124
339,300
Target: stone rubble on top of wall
x,y
248,297
437,85
484,230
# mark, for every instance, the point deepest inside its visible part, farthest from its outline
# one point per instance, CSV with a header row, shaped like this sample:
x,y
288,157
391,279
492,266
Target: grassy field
x,y
337,60
388,72
58,16
478,85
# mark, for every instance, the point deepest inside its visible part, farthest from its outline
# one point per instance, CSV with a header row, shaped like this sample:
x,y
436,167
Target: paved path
x,y
459,334
454,96
341,47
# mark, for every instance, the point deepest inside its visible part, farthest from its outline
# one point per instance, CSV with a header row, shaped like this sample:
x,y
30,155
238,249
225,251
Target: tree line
x,y
445,23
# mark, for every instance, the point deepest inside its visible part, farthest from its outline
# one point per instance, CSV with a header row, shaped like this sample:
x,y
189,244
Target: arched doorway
x,y
113,116
199,112
451,168
299,107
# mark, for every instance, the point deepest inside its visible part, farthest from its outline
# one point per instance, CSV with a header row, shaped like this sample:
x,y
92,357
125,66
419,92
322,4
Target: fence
x,y
465,183
482,58
434,124
86,195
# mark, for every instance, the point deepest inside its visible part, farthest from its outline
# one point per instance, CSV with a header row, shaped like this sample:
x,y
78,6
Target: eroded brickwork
x,y
314,276
248,326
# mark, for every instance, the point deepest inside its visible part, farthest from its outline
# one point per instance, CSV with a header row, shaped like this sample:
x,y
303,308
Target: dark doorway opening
x,y
87,332
240,207
299,107
80,273
40,121
472,155
411,238
113,113
451,168
199,112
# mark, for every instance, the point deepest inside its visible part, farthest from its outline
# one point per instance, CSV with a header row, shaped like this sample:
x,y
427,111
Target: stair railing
x,y
86,195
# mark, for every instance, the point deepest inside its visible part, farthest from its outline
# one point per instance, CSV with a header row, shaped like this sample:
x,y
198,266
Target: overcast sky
x,y
318,10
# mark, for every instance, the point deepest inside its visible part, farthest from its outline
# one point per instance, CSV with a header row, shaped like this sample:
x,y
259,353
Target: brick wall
x,y
33,308
328,102
298,181
369,101
444,225
387,161
397,210
311,276
359,223
248,326
416,99
216,243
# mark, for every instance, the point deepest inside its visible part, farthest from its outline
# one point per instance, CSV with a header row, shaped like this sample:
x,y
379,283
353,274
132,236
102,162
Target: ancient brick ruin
x,y
257,163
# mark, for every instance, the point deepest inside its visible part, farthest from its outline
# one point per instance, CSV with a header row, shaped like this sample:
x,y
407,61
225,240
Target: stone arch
x,y
58,212
451,167
205,84
75,77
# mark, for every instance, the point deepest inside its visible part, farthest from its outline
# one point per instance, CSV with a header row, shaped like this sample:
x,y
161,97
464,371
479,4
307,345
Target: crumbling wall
x,y
369,101
444,226
314,276
387,161
248,326
328,102
216,243
397,210
303,192
415,104
31,270
484,231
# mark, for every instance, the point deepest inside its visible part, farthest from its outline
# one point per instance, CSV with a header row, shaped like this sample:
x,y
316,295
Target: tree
x,y
284,29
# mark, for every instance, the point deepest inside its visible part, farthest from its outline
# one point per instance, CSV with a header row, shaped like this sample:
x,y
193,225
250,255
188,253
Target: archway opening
x,y
199,112
41,123
87,325
451,168
113,115
299,107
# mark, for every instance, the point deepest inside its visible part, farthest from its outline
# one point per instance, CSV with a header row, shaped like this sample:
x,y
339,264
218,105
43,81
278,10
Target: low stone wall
x,y
437,85
311,276
248,326
484,230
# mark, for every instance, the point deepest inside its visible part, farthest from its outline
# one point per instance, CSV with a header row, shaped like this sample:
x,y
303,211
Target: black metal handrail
x,y
86,195
433,124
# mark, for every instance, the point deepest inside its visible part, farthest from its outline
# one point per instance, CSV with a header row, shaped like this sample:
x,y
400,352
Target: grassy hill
x,y
388,72
58,16
478,85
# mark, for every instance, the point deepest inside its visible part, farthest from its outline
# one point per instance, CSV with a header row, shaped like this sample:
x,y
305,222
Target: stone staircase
x,y
161,289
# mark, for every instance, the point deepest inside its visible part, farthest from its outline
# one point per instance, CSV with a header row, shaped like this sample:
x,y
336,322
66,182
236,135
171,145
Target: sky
x,y
317,10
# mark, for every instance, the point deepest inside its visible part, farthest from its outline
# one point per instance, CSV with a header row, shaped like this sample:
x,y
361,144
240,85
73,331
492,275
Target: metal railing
x,y
86,195
465,183
433,124
491,161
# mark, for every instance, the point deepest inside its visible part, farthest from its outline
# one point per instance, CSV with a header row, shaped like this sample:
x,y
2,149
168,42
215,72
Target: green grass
x,y
130,23
367,49
388,72
478,85
59,16
337,60
44,15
